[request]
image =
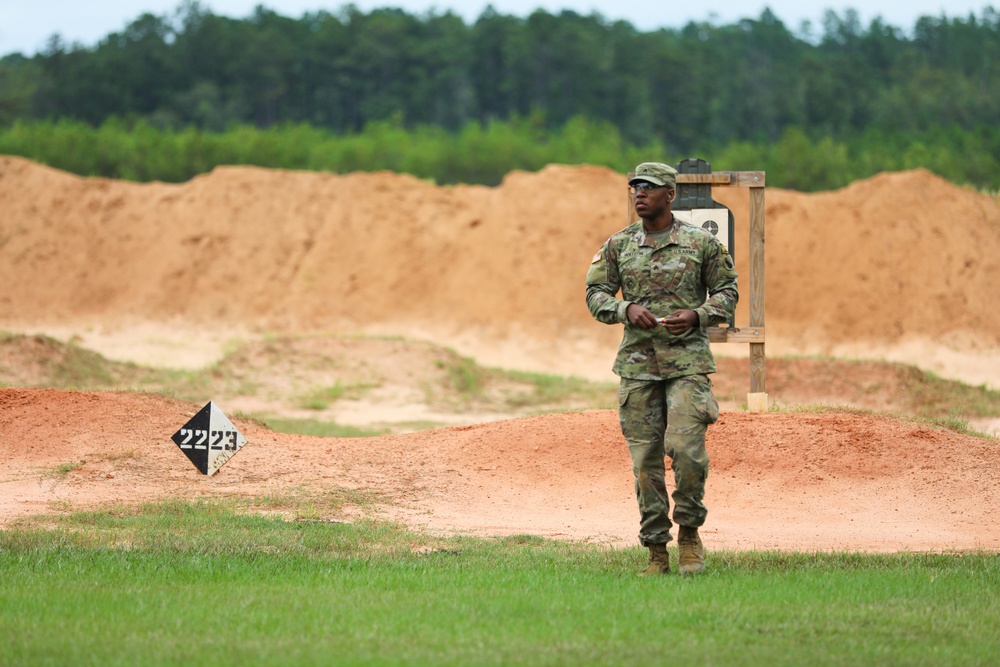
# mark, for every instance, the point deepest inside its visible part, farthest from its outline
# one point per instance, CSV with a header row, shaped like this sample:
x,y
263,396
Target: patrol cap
x,y
656,173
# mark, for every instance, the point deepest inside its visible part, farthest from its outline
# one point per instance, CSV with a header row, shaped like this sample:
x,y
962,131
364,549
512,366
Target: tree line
x,y
485,153
855,98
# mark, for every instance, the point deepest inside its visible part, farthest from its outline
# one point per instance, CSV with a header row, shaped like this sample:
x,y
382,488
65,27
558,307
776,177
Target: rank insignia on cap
x,y
597,258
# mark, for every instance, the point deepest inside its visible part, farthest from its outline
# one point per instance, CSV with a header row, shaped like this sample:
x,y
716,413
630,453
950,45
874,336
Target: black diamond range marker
x,y
209,439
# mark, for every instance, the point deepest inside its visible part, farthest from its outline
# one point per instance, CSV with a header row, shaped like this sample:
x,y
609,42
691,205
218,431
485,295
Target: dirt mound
x,y
899,257
895,256
812,482
901,266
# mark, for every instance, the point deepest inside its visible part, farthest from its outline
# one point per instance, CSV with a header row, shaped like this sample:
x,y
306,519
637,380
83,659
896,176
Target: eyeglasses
x,y
641,186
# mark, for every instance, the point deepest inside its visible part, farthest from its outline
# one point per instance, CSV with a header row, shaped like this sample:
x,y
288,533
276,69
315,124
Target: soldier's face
x,y
651,202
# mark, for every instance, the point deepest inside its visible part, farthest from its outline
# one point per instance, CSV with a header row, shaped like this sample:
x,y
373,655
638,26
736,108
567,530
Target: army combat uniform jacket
x,y
687,269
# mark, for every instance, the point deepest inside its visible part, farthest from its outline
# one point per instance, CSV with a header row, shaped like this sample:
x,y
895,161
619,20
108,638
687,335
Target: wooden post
x,y
757,398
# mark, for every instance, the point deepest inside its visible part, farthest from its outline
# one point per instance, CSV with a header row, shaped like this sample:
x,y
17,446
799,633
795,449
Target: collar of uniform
x,y
643,239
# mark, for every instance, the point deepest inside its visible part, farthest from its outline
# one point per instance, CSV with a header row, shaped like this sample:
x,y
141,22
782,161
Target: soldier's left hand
x,y
680,322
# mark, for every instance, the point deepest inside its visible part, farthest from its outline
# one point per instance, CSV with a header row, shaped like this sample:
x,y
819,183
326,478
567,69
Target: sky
x,y
26,25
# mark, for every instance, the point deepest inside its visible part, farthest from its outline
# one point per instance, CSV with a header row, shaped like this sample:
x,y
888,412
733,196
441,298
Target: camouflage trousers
x,y
667,418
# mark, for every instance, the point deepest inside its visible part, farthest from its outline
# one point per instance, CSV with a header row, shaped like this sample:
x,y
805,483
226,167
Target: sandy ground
x,y
833,481
901,267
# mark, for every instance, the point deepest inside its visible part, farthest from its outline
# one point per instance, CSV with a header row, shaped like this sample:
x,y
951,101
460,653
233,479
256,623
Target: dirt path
x,y
832,481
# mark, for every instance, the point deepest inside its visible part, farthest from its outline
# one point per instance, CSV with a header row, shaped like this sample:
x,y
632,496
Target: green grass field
x,y
224,583
282,581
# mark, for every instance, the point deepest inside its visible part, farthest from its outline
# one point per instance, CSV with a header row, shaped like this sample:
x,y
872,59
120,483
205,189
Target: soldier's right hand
x,y
640,316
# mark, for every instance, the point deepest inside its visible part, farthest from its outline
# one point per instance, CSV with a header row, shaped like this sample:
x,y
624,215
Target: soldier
x,y
675,280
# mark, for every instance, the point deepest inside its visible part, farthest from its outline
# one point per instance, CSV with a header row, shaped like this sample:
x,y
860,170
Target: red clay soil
x,y
900,259
813,482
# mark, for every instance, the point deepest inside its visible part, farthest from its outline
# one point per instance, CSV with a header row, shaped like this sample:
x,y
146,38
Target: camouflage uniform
x,y
665,397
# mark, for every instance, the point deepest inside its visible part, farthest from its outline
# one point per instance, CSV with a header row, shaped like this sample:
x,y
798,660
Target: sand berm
x,y
902,266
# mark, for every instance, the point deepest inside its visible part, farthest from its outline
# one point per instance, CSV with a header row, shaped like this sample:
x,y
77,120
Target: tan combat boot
x,y
691,550
659,561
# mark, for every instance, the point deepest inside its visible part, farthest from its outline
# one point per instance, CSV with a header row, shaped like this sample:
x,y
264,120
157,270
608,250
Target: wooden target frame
x,y
753,334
